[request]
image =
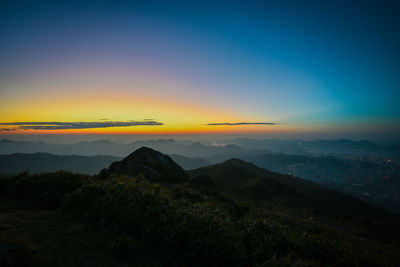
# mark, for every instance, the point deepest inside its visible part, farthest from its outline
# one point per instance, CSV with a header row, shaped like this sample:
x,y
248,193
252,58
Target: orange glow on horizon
x,y
164,130
74,102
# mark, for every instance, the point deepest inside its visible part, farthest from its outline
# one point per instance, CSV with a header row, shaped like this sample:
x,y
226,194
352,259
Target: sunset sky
x,y
178,67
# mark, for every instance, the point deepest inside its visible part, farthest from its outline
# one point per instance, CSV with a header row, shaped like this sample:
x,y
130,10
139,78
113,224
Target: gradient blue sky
x,y
312,66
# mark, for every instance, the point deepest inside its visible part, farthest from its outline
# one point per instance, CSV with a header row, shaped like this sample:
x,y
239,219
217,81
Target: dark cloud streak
x,y
55,125
241,123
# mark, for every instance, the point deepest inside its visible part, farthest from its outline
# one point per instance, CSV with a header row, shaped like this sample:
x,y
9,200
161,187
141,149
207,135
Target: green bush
x,y
133,208
48,189
148,222
4,184
7,181
204,235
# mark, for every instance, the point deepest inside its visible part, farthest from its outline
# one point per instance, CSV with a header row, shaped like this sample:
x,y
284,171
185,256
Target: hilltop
x,y
154,165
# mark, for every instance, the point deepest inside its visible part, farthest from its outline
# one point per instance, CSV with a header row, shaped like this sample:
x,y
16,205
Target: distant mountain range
x,y
105,147
229,148
301,147
44,162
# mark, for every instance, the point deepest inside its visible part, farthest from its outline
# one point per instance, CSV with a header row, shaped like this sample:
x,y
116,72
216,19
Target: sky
x,y
269,68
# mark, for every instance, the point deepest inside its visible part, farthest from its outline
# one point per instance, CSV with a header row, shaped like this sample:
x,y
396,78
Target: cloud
x,y
7,129
55,125
241,123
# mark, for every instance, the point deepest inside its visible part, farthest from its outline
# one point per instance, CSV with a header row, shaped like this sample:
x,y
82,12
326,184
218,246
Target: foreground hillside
x,y
230,214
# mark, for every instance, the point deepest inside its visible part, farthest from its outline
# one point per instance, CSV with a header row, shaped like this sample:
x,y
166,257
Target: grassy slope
x,y
303,198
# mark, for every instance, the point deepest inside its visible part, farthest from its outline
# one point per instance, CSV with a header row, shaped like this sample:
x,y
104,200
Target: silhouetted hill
x,y
150,163
44,162
250,182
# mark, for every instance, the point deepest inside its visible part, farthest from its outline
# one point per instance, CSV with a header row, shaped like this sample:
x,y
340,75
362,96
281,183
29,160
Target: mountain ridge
x,y
148,162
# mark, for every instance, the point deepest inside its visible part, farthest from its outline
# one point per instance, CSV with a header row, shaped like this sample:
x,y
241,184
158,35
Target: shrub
x,y
48,189
130,207
147,222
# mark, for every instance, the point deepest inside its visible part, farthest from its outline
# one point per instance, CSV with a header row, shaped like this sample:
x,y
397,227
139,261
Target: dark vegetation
x,y
230,214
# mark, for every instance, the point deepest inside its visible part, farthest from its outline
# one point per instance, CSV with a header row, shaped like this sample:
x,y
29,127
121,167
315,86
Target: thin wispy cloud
x,y
241,123
56,125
